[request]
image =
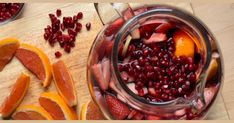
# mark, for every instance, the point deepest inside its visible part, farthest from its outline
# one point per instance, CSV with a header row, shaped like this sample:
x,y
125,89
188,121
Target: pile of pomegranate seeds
x,y
154,72
64,32
7,10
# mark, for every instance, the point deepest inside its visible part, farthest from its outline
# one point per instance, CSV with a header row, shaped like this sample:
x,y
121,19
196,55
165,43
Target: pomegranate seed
x,y
58,54
67,48
79,15
8,10
58,12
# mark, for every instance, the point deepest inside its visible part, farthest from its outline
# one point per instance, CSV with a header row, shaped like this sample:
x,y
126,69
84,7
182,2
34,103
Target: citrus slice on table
x,y
8,48
184,44
15,96
64,83
56,106
31,112
90,111
36,61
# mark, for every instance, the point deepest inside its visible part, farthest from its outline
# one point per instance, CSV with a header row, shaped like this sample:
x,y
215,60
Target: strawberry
x,y
114,27
156,37
153,117
118,109
138,116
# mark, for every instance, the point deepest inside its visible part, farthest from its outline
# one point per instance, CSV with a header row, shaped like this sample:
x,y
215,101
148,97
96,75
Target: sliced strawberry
x,y
114,27
98,74
140,10
163,28
131,114
109,47
106,69
156,37
209,93
128,14
154,22
138,116
118,109
153,117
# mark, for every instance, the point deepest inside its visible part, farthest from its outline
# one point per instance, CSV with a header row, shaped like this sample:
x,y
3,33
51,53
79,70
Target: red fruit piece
x,y
138,116
156,37
79,15
128,14
106,69
98,74
163,28
152,117
114,27
209,93
118,109
58,12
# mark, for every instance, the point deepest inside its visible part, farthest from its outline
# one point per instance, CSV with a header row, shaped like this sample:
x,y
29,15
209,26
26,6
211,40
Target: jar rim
x,y
160,9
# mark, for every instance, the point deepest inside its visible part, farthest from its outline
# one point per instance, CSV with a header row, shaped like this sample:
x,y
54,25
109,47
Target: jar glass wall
x,y
155,62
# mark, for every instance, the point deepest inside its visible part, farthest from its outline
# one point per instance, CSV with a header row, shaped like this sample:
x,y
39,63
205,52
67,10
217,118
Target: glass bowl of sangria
x,y
155,63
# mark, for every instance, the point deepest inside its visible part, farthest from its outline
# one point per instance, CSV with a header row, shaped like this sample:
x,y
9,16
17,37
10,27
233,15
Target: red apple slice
x,y
156,37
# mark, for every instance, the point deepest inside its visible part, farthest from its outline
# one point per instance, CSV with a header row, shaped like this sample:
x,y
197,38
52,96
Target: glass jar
x,y
110,88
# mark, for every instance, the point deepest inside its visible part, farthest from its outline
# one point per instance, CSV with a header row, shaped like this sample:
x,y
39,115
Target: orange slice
x,y
64,83
90,111
8,48
213,68
56,106
16,96
184,44
36,61
31,112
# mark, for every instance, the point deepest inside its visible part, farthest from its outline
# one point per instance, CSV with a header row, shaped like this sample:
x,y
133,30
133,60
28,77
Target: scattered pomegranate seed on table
x,y
58,12
63,31
58,54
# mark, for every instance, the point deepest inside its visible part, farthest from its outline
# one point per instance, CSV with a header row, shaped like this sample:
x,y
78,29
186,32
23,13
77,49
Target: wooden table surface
x,y
29,28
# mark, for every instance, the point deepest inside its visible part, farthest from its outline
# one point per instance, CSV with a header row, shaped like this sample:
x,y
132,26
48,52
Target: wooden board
x,y
30,26
29,29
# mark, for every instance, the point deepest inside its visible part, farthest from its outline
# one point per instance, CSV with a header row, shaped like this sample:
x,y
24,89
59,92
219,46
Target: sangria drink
x,y
155,63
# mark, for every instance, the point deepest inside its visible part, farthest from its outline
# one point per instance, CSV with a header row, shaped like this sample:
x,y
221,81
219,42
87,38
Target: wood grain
x,y
29,29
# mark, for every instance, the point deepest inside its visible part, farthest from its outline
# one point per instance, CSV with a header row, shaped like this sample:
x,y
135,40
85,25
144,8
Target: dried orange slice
x,y
90,111
56,106
36,61
8,48
16,96
184,44
31,112
64,83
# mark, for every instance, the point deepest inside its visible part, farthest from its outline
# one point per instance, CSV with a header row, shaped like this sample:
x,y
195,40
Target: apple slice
x,y
156,37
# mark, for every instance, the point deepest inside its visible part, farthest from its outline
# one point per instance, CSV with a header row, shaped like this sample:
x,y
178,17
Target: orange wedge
x,y
213,68
184,44
8,48
64,83
56,106
90,111
16,96
31,112
36,61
